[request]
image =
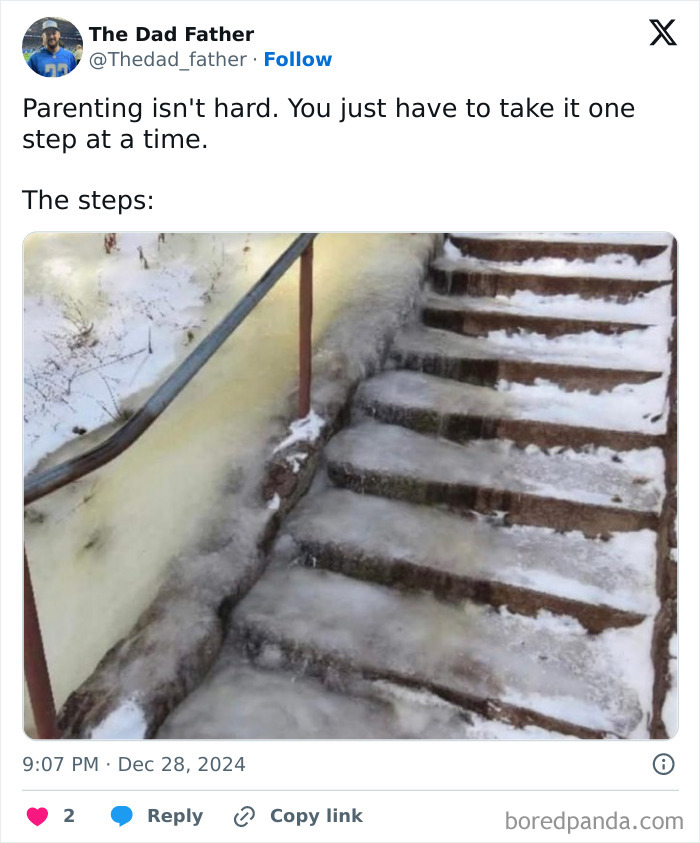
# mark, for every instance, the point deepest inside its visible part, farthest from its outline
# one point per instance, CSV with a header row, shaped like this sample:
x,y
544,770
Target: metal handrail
x,y
39,485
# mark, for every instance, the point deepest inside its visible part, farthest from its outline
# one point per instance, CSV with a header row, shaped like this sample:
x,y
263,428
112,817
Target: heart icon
x,y
37,815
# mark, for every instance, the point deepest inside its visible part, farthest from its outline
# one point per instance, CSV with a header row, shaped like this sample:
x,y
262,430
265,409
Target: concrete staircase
x,y
482,557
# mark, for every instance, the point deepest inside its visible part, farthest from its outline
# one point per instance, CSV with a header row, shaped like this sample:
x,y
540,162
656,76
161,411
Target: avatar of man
x,y
52,59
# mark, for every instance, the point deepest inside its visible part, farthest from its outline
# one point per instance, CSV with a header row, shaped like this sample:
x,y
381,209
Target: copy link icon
x,y
244,816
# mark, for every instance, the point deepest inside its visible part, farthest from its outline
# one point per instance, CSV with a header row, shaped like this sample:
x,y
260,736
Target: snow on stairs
x,y
584,365
491,537
526,671
477,317
568,247
538,414
459,558
595,492
619,271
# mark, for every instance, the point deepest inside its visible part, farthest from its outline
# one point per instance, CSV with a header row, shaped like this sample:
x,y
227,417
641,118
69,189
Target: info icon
x,y
663,764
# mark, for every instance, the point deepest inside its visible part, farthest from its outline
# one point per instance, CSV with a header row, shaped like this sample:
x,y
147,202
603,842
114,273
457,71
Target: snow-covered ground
x,y
97,334
101,331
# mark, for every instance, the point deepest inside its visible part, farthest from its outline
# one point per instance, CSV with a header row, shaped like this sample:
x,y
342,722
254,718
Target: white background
x,y
369,175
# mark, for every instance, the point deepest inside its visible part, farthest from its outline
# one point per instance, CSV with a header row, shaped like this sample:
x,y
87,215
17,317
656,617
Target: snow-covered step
x,y
489,280
542,671
630,417
586,247
528,569
241,701
478,316
653,308
589,362
596,492
657,238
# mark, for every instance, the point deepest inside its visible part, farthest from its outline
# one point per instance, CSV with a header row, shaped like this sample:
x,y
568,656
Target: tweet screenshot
x,y
342,348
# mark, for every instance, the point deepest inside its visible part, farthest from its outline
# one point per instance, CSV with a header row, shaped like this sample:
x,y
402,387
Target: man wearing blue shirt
x,y
52,59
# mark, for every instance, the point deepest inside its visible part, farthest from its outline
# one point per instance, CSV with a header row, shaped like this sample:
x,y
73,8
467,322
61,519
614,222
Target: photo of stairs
x,y
489,548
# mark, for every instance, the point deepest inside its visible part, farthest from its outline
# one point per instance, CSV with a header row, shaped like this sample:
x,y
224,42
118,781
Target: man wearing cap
x,y
52,59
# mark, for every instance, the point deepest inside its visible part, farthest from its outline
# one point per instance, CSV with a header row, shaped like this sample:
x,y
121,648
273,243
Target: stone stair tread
x,y
635,350
651,308
629,260
241,701
630,407
497,280
630,481
605,238
575,275
548,667
618,572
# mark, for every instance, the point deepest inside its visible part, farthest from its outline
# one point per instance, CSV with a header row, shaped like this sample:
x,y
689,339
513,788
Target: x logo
x,y
663,32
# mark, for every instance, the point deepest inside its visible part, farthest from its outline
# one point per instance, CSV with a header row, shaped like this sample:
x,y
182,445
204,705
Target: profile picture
x,y
52,47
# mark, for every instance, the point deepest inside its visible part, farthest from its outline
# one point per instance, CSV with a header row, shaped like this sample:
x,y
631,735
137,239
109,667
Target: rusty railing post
x,y
36,672
306,306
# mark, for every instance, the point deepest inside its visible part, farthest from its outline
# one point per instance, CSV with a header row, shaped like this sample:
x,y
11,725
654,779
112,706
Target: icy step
x,y
489,281
527,671
589,362
242,701
522,265
528,569
629,417
595,492
479,316
653,308
585,247
655,238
